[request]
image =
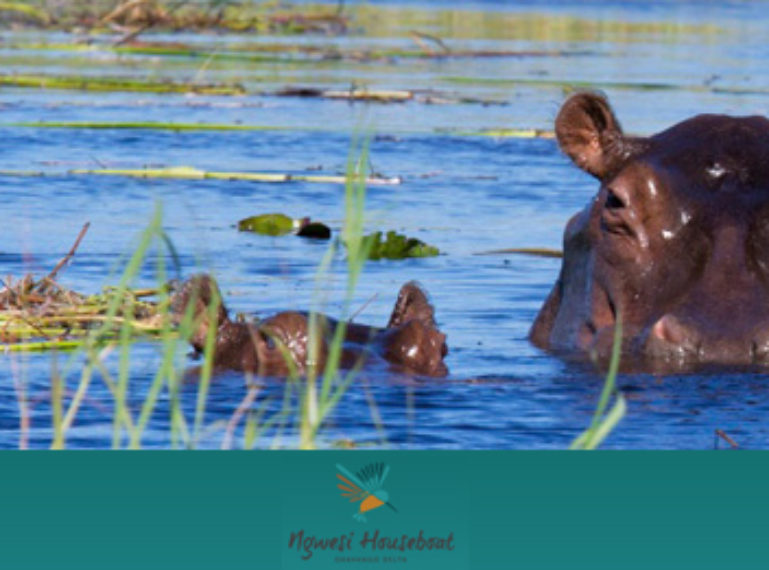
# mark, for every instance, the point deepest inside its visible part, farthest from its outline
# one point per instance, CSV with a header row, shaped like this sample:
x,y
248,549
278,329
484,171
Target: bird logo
x,y
365,486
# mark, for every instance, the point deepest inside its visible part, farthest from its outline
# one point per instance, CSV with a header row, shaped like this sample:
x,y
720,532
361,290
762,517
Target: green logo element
x,y
365,486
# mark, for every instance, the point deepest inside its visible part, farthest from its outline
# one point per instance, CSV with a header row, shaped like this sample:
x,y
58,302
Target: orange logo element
x,y
365,486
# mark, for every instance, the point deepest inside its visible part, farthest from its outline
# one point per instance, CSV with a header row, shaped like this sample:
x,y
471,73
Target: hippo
x,y
675,244
410,343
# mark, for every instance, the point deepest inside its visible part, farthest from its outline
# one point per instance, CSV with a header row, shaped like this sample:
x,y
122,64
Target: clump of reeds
x,y
42,314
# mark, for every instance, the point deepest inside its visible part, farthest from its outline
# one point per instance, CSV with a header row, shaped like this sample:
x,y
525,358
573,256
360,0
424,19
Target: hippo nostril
x,y
669,329
671,339
613,202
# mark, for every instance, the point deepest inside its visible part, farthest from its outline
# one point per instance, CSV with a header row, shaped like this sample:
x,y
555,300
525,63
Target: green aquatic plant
x,y
146,125
280,224
322,389
396,246
41,314
569,85
520,133
604,422
269,224
83,83
25,10
289,53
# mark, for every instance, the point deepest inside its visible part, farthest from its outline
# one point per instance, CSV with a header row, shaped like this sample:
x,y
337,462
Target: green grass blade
x,y
207,369
609,422
57,395
601,425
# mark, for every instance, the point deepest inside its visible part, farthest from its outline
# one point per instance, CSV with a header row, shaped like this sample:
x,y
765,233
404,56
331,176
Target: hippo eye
x,y
613,201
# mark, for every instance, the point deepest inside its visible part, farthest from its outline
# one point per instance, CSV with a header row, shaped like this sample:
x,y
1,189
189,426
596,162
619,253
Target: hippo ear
x,y
589,133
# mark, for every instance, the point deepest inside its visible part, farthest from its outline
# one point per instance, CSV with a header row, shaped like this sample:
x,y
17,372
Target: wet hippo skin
x,y
278,345
676,241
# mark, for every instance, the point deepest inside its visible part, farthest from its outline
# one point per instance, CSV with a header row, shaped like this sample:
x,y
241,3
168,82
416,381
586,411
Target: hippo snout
x,y
676,340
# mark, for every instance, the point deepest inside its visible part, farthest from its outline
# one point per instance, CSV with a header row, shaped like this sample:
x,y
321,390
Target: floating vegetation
x,y
312,53
116,84
126,84
25,11
351,94
516,133
191,173
534,251
428,96
521,133
396,246
287,53
148,125
392,246
569,85
280,224
42,314
269,224
175,50
501,133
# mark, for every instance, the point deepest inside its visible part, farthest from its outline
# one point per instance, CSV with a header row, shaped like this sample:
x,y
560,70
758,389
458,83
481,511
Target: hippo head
x,y
675,242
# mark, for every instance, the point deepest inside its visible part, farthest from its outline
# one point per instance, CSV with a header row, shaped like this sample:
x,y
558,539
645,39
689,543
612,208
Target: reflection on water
x,y
465,194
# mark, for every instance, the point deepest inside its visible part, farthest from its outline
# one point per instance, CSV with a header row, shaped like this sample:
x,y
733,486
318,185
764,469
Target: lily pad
x,y
268,224
280,225
397,246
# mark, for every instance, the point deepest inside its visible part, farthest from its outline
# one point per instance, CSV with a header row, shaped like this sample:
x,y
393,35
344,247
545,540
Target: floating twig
x,y
723,435
535,251
362,307
64,260
419,38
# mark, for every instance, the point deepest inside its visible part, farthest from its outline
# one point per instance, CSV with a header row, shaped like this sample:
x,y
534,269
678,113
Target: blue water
x,y
464,194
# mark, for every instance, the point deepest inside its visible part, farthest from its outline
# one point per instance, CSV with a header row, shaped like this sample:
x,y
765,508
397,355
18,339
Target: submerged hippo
x,y
676,242
278,345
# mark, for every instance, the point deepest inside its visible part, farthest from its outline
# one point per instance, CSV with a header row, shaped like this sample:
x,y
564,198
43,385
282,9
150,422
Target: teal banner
x,y
376,510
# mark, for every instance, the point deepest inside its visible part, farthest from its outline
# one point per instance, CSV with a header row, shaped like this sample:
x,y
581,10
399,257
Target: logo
x,y
341,544
365,487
